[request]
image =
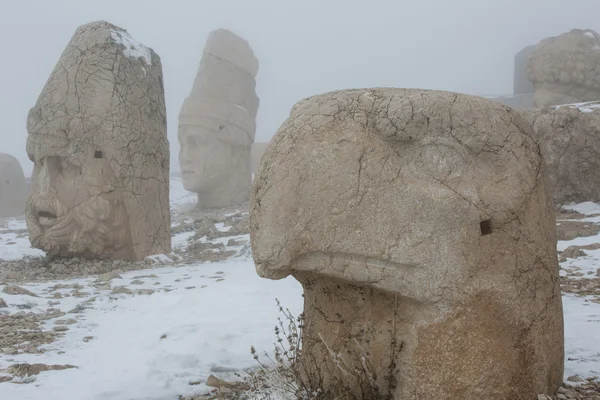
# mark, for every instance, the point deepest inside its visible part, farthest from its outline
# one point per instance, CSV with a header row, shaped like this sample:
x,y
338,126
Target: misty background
x,y
304,47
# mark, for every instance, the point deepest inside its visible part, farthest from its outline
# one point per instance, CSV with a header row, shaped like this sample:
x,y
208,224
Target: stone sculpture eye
x,y
486,227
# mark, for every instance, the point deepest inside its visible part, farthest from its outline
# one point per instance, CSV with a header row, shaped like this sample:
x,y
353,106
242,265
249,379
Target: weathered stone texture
x,y
569,137
217,123
13,188
97,137
566,68
422,230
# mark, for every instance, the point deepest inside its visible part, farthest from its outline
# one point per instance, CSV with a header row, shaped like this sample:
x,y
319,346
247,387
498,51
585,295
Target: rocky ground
x,y
580,280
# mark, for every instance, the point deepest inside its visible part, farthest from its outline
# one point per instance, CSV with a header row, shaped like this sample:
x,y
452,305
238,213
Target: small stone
x,y
3,303
108,276
69,321
78,308
190,287
575,378
137,282
88,338
570,394
60,328
57,295
25,369
121,290
561,390
14,290
146,291
5,379
164,336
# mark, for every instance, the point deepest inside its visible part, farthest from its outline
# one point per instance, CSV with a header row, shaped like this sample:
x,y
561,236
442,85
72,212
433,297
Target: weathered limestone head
x,y
13,188
217,123
566,68
569,138
97,137
421,227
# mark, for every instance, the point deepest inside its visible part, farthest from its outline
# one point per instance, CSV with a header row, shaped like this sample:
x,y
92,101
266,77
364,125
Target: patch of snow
x,y
133,48
179,197
222,228
582,324
590,34
210,317
586,208
180,241
14,246
585,107
580,241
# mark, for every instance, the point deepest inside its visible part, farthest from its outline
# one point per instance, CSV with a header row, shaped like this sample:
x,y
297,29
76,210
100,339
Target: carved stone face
x,y
565,69
206,161
73,208
425,214
387,207
97,137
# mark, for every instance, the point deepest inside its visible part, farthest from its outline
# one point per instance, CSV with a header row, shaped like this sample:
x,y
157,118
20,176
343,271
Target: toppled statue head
x,y
13,188
97,138
217,123
566,68
421,228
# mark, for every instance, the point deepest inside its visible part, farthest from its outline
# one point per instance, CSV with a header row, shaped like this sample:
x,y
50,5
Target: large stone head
x,y
13,188
97,137
566,68
217,122
435,199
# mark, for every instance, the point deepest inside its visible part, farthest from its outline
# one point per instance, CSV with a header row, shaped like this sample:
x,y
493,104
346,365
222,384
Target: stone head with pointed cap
x,y
97,138
217,123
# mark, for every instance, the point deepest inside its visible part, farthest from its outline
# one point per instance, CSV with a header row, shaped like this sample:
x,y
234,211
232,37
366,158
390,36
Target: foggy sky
x,y
304,47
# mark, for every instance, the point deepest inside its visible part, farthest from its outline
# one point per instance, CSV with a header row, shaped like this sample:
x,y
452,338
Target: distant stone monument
x,y
522,84
566,68
98,140
217,123
13,187
422,230
570,143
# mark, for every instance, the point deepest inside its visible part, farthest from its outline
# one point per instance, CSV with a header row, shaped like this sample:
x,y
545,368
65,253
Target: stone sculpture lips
x,y
45,215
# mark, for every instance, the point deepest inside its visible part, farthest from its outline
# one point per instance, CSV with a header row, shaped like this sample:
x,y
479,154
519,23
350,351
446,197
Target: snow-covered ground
x,y
157,333
200,319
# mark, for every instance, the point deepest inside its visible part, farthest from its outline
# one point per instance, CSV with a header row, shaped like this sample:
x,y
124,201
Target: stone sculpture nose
x,y
43,180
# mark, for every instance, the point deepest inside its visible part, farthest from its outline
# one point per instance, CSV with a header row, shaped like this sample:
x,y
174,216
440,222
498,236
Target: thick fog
x,y
304,47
